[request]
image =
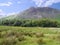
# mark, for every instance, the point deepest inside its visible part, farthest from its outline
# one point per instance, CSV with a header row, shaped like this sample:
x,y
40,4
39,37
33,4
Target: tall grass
x,y
10,35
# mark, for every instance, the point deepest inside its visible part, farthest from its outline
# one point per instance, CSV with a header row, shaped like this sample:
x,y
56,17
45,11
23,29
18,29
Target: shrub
x,y
41,42
17,23
28,34
39,35
21,38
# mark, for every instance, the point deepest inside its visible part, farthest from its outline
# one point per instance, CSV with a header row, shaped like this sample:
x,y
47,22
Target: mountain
x,y
37,13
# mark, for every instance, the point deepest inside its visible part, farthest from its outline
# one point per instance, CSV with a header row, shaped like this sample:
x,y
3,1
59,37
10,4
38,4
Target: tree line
x,y
30,23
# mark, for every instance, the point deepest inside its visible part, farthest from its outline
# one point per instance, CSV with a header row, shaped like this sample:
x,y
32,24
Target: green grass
x,y
10,35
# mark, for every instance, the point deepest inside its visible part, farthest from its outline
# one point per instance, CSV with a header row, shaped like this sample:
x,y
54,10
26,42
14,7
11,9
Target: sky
x,y
10,7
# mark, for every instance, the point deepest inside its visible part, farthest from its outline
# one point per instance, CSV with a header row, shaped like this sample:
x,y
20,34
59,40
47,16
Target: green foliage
x,y
17,23
31,23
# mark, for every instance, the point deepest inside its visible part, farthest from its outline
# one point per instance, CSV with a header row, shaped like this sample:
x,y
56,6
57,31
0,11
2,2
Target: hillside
x,y
44,12
37,13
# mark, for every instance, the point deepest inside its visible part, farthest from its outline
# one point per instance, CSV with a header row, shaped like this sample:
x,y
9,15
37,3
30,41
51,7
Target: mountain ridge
x,y
37,13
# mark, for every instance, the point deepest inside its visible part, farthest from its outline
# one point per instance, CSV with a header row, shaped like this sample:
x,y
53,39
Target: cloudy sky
x,y
8,7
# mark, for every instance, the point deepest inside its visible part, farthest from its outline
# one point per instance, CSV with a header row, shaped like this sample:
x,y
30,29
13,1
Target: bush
x,y
21,38
17,23
39,35
41,41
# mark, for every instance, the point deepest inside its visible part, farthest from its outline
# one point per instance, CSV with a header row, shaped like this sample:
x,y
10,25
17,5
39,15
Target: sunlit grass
x,y
10,35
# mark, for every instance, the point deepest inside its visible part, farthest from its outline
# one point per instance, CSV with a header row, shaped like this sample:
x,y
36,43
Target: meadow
x,y
12,35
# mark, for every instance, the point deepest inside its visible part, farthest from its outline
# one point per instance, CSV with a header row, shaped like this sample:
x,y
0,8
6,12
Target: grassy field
x,y
10,35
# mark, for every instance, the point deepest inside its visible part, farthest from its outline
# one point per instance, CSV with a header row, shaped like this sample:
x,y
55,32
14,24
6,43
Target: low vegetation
x,y
10,35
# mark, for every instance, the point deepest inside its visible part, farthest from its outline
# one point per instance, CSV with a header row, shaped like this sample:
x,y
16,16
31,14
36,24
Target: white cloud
x,y
2,12
11,13
45,3
6,4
